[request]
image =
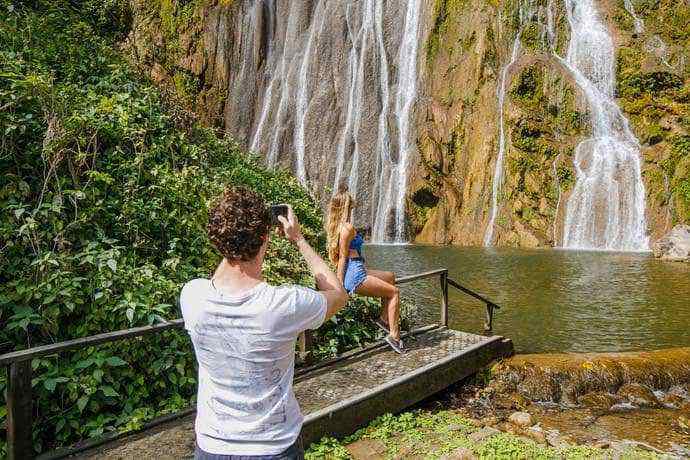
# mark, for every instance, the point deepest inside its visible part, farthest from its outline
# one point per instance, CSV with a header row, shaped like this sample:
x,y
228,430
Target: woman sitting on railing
x,y
345,251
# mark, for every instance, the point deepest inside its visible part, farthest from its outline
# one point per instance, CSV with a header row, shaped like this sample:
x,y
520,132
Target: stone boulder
x,y
638,395
599,401
675,245
522,419
461,453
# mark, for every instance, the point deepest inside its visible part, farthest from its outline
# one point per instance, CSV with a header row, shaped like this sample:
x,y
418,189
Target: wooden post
x,y
305,339
19,411
444,298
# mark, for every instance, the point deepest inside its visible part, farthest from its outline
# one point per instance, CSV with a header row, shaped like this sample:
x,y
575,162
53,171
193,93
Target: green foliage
x,y
652,82
329,448
104,193
677,168
528,85
530,37
653,91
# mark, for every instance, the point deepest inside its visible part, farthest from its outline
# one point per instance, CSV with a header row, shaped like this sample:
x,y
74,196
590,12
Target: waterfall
x,y
407,92
551,25
383,158
606,207
350,135
392,195
302,103
305,46
639,25
497,179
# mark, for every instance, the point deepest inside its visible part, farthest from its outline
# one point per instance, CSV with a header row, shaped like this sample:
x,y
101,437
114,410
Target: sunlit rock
x,y
675,245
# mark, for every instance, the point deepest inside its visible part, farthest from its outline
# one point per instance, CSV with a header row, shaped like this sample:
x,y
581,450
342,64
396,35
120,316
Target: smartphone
x,y
278,210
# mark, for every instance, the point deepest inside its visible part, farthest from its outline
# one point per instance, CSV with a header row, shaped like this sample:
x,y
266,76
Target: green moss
x,y
653,134
628,60
566,177
657,82
490,58
528,87
677,167
531,36
444,11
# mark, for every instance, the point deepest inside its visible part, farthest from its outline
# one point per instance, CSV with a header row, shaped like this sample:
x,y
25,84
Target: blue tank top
x,y
356,244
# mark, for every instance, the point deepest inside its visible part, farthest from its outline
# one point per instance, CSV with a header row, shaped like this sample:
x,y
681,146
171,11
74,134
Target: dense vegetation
x,y
104,191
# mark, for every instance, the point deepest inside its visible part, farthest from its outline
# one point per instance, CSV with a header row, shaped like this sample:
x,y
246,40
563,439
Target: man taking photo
x,y
244,333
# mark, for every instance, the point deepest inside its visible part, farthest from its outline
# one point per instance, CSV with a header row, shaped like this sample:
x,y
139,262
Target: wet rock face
x,y
323,88
303,83
675,245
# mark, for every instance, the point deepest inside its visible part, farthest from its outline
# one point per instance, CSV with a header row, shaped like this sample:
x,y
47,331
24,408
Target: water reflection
x,y
555,300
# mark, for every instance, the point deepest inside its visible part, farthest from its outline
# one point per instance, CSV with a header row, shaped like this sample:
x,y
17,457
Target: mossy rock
x,y
652,82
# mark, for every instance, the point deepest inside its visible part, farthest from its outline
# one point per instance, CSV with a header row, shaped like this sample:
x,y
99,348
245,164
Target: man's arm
x,y
326,281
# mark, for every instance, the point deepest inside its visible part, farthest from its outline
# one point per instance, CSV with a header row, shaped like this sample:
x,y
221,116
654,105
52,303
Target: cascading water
x,y
350,133
383,158
304,73
302,104
407,92
391,195
639,25
606,207
497,179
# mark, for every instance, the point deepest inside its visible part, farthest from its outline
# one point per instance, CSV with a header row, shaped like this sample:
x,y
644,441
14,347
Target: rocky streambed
x,y
603,400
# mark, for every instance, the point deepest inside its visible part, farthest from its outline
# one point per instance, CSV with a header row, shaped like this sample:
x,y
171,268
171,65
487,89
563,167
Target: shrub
x,y
104,193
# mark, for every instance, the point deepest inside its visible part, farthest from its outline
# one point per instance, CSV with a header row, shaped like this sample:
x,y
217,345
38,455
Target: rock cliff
x,y
322,88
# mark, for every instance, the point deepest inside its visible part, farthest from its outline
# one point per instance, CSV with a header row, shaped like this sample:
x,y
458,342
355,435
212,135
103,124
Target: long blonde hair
x,y
339,210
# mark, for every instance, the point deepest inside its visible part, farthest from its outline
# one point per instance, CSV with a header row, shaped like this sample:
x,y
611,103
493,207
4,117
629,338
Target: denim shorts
x,y
355,274
294,452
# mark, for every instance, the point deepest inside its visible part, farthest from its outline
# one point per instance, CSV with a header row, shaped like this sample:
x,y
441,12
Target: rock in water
x,y
675,245
599,400
522,419
639,395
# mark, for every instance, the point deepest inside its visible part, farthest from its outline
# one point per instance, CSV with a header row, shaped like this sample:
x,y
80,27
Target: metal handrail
x,y
305,338
490,306
115,336
19,372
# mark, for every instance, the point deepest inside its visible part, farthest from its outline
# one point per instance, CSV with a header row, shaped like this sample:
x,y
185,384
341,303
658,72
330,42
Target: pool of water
x,y
554,300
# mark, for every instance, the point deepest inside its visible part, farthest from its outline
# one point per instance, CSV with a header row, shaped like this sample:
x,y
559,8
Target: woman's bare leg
x,y
388,277
376,287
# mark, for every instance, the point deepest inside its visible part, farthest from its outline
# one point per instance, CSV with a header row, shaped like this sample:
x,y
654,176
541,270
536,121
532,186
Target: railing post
x,y
489,323
19,411
305,342
444,298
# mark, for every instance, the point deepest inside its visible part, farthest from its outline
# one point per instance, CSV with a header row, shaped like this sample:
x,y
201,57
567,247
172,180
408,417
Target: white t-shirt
x,y
245,347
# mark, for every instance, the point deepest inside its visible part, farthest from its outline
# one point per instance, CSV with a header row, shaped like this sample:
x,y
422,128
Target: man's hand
x,y
291,228
326,281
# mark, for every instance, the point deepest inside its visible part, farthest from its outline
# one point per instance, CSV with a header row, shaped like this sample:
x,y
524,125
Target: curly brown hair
x,y
238,223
